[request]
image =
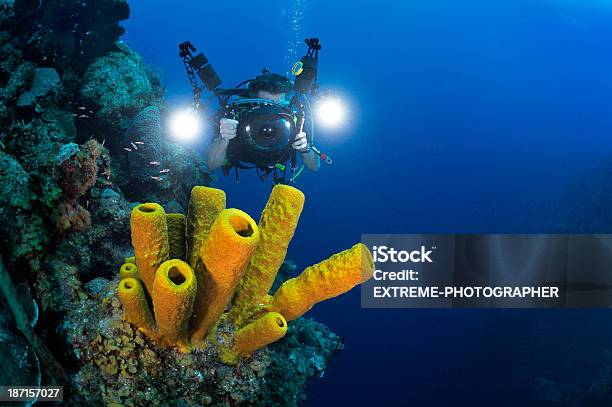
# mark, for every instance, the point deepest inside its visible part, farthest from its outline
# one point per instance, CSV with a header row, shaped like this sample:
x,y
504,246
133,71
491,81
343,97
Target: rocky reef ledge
x,y
81,144
121,366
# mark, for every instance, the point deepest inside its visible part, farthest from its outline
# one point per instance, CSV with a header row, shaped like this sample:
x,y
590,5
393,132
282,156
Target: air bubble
x,y
294,12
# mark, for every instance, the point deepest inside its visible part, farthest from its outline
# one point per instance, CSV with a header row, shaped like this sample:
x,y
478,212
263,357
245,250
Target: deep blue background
x,y
466,116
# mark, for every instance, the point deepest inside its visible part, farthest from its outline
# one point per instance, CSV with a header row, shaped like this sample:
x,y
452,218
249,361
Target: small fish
x,y
103,141
81,108
134,145
154,163
83,116
139,142
107,173
157,178
164,171
127,149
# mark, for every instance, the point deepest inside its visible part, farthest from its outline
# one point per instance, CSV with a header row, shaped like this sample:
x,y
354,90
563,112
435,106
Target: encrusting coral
x,y
225,259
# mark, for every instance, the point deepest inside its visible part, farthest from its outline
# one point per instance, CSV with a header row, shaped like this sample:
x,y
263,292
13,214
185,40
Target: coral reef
x,y
20,365
55,58
145,142
20,236
154,168
61,205
133,90
45,81
79,172
119,364
18,359
187,169
25,314
226,248
75,105
68,33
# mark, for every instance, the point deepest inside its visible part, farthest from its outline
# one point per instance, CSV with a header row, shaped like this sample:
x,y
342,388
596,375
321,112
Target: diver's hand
x,y
228,128
301,143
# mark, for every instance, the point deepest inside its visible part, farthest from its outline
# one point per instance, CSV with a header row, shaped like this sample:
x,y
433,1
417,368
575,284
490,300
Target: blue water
x,y
465,116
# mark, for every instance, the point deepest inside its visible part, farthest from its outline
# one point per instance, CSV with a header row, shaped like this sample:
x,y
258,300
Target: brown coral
x,y
77,175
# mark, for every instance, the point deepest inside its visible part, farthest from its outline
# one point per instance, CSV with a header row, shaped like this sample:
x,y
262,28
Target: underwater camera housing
x,y
265,131
266,128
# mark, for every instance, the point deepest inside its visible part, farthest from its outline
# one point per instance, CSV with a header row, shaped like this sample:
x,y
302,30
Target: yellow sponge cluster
x,y
187,271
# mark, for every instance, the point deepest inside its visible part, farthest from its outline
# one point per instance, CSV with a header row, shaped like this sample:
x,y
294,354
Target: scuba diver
x,y
263,120
268,86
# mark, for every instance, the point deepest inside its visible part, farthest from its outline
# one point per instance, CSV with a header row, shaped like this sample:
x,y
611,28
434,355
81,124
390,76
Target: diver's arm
x,y
218,149
311,160
309,157
217,153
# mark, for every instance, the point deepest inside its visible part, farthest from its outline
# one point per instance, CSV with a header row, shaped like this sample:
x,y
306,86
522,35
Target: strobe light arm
x,y
197,65
186,50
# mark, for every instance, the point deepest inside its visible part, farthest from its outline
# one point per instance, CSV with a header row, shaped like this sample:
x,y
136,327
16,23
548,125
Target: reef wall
x,y
81,144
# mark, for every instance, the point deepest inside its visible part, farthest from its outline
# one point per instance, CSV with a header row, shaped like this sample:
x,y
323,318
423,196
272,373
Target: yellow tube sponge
x,y
134,302
128,270
276,228
230,244
150,240
204,206
188,269
176,235
324,280
269,328
174,291
261,332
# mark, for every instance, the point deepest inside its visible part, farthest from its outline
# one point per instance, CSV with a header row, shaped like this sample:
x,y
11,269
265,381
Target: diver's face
x,y
264,94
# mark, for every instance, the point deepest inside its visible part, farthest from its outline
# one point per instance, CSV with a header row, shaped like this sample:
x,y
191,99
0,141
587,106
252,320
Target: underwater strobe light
x,y
185,125
331,112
